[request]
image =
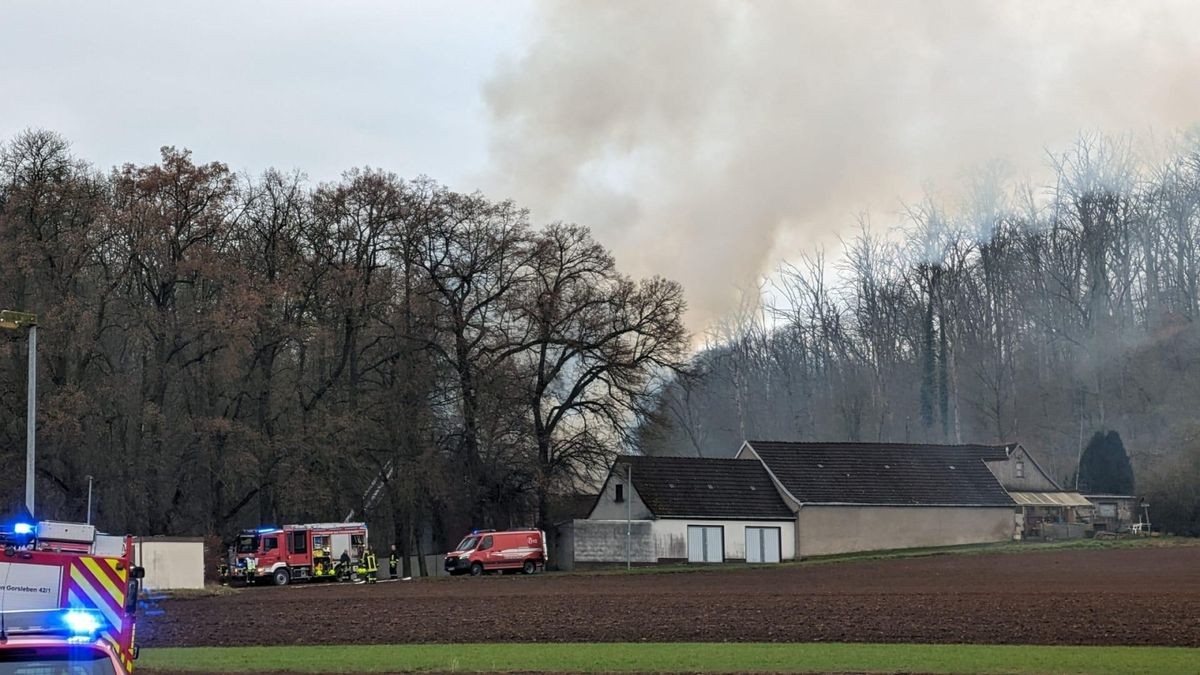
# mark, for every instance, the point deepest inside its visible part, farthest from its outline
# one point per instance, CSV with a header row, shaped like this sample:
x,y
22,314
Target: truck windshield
x,y
37,661
247,544
468,544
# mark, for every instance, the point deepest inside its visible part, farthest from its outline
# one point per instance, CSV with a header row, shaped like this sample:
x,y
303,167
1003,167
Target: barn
x,y
674,509
778,501
860,497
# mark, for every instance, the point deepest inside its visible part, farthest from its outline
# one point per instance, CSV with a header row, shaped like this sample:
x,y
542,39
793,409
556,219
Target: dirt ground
x,y
1084,597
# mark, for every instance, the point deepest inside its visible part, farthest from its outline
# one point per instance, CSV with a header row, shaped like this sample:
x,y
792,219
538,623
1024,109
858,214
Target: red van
x,y
486,550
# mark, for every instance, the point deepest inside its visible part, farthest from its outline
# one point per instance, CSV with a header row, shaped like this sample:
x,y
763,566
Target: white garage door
x,y
706,544
762,544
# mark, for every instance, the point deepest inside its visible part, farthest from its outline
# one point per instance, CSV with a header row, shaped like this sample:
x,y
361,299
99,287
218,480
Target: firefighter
x,y
367,567
372,568
392,560
344,565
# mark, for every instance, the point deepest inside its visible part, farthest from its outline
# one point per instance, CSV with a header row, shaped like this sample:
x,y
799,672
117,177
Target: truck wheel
x,y
476,569
282,577
528,567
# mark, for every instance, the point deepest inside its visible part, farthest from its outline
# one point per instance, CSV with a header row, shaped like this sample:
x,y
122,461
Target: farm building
x,y
860,497
779,501
1114,513
1046,510
682,509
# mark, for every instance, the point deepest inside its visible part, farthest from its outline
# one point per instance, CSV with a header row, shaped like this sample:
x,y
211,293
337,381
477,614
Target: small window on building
x,y
620,492
1020,469
1108,510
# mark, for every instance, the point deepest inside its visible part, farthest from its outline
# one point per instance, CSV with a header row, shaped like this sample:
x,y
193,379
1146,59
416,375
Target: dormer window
x,y
620,492
1020,468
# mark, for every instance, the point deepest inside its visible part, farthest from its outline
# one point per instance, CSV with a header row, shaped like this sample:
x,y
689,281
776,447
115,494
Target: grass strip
x,y
906,553
676,657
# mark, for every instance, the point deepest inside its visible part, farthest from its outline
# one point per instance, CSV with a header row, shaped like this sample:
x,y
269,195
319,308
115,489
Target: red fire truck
x,y
69,598
486,550
309,552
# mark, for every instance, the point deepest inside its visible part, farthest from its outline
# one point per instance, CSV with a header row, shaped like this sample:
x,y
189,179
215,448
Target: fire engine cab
x,y
68,598
309,552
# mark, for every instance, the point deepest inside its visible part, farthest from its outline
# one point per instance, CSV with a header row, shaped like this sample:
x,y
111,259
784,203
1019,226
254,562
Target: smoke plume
x,y
704,141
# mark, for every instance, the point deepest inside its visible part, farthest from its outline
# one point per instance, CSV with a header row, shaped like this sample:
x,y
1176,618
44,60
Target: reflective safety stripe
x,y
103,574
92,598
117,568
101,584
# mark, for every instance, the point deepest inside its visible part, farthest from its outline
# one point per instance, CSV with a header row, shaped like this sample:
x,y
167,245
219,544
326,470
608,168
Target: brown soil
x,y
1129,597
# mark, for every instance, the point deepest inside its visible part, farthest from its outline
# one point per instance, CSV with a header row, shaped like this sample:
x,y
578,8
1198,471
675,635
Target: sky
x,y
705,141
316,86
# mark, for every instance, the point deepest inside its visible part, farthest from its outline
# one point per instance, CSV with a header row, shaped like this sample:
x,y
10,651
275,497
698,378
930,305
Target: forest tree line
x,y
222,351
1039,315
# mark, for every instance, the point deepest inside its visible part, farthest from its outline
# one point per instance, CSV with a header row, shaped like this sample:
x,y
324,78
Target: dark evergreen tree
x,y
1104,467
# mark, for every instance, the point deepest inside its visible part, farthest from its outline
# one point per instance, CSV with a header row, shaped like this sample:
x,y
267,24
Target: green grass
x,y
693,657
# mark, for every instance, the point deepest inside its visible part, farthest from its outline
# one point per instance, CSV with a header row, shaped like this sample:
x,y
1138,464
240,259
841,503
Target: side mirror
x,y
139,573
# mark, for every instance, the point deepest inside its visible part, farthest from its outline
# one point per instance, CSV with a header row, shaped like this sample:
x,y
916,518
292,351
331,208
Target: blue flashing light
x,y
264,530
23,528
81,623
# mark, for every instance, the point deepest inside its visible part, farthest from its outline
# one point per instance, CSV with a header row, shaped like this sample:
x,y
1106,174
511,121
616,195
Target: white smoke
x,y
706,140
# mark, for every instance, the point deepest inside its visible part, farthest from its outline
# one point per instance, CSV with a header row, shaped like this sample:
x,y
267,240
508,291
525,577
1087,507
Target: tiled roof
x,y
693,487
886,474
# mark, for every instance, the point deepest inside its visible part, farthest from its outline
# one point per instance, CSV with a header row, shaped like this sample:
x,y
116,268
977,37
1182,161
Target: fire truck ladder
x,y
374,490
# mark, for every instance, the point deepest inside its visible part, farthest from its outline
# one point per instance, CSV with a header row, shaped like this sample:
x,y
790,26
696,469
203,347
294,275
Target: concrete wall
x,y
560,546
170,562
826,530
600,541
670,537
435,565
1033,479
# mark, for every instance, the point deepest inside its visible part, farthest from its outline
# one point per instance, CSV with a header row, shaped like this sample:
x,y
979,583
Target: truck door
x,y
298,553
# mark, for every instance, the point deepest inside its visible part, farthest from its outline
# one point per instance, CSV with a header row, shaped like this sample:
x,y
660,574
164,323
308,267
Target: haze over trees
x,y
221,351
1019,313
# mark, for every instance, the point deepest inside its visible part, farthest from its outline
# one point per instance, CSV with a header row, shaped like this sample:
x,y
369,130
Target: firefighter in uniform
x,y
371,565
367,567
344,565
392,560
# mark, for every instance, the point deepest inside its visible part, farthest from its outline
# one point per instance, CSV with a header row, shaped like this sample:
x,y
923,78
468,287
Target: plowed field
x,y
1147,596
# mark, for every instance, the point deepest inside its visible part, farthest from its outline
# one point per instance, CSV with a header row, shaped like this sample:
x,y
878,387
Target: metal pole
x,y
629,518
31,421
89,511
